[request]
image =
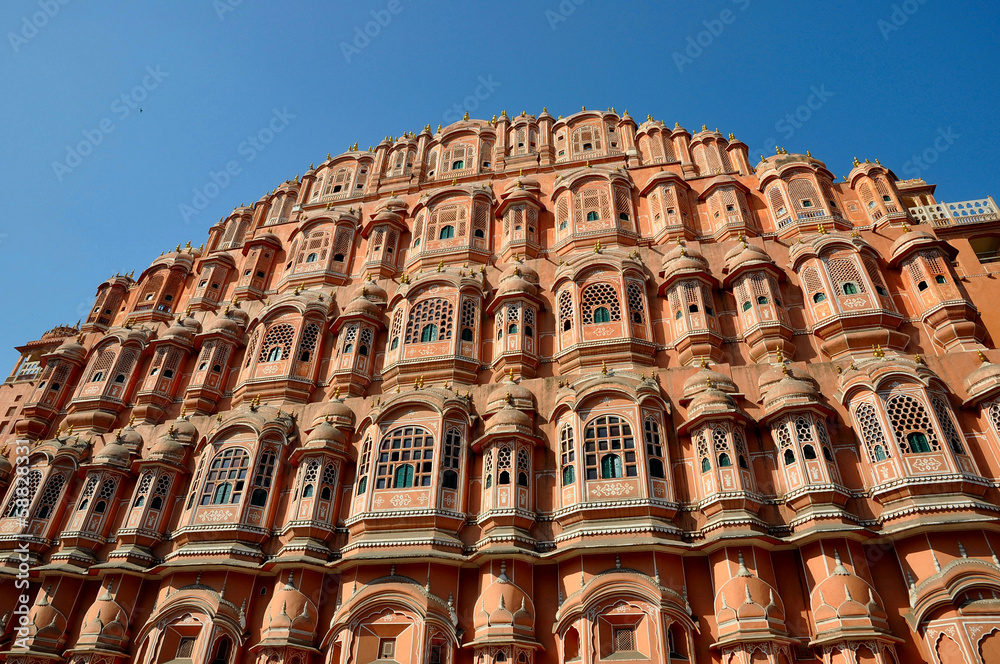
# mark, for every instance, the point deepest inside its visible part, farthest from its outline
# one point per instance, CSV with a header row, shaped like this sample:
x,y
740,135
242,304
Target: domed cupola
x,y
748,609
105,625
700,381
508,447
788,393
356,329
693,328
505,613
290,618
984,381
845,606
170,357
216,348
932,285
515,307
519,212
753,278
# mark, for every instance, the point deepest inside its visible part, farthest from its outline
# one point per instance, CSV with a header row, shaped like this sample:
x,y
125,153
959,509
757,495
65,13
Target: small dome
x,y
361,305
909,239
115,453
789,387
289,608
325,433
681,259
519,269
71,350
180,333
509,417
746,254
226,324
129,437
104,619
711,399
516,286
372,291
746,597
983,378
504,605
699,381
844,595
167,447
337,411
519,394
184,430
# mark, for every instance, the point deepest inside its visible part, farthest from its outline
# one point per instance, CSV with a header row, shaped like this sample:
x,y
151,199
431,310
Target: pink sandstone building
x,y
531,390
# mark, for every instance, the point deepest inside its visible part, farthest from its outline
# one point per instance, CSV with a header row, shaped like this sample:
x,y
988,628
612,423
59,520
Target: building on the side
x,y
531,390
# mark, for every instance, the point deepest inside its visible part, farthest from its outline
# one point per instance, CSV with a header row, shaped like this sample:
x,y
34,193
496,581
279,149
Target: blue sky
x,y
873,79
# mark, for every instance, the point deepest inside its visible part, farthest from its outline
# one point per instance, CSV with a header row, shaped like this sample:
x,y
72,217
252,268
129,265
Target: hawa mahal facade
x,y
531,390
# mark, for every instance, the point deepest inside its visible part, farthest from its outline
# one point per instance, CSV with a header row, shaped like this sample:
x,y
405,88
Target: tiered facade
x,y
531,390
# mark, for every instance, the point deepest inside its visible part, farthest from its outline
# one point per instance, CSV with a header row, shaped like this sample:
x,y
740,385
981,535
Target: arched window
x,y
808,452
412,447
567,454
311,258
503,465
436,312
447,232
566,310
761,299
819,297
450,459
466,334
523,467
262,479
789,457
50,496
654,448
592,216
609,434
600,304
871,431
849,288
725,461
22,494
277,344
747,306
911,425
940,279
226,477
221,651
706,465
363,464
